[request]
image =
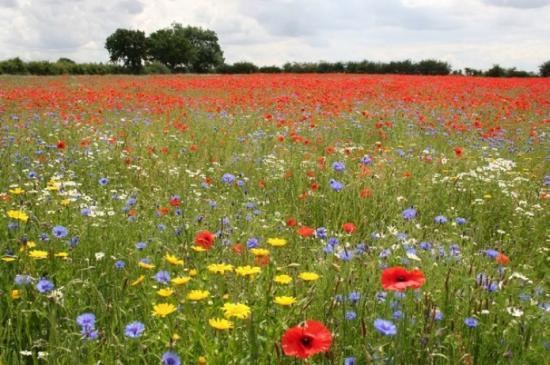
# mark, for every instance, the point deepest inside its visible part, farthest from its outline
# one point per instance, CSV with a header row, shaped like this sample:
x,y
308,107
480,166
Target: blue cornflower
x,y
252,243
103,181
354,297
85,212
381,296
460,221
120,264
386,328
409,213
351,315
86,320
170,358
134,329
438,315
350,361
32,175
131,201
321,232
228,178
336,185
440,219
60,231
345,255
365,160
397,315
338,166
162,277
471,322
333,241
425,245
491,253
44,286
89,333
338,298
328,248
22,280
141,245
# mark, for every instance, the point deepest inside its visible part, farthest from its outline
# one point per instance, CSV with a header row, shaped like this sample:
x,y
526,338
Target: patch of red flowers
x,y
205,239
348,227
306,231
306,340
398,278
502,259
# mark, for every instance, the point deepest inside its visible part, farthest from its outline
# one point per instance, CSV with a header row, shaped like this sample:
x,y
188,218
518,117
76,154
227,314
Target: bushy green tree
x,y
206,53
128,46
545,69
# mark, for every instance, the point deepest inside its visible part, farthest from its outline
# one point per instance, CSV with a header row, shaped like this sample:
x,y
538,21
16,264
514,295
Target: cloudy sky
x,y
475,33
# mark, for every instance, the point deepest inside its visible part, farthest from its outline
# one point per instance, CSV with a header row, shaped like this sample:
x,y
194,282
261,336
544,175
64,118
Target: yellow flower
x,y
163,309
276,242
146,265
201,360
193,272
165,292
198,249
259,251
284,300
15,294
18,214
308,276
238,310
220,268
8,258
196,295
175,337
29,244
16,191
220,323
62,255
38,254
138,280
173,260
180,280
282,279
248,270
487,196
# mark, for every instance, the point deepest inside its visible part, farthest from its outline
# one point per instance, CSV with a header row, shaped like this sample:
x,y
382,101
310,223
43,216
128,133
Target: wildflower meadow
x,y
274,219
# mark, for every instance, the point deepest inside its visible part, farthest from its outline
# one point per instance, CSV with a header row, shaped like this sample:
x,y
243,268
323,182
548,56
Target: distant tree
x,y
472,72
270,69
66,60
206,54
13,66
495,71
433,67
171,47
545,69
128,46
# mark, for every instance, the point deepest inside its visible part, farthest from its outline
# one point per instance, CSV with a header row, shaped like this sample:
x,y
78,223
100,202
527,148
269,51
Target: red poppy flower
x,y
502,259
458,151
348,227
306,340
205,239
291,222
175,201
61,145
237,248
306,231
398,278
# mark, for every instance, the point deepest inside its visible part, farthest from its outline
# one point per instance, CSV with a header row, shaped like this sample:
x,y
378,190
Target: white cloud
x,y
475,33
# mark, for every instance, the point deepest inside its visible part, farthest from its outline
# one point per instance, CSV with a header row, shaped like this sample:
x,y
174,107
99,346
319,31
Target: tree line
x,y
179,49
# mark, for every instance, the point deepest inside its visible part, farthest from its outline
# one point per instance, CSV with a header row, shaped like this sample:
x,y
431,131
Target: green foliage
x,y
238,68
128,46
206,53
545,69
155,68
14,66
171,47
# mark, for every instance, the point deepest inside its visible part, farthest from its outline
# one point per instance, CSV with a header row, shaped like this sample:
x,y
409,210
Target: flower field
x,y
274,219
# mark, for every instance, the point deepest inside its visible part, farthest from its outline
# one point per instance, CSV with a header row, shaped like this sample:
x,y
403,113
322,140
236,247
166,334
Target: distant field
x,y
199,219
